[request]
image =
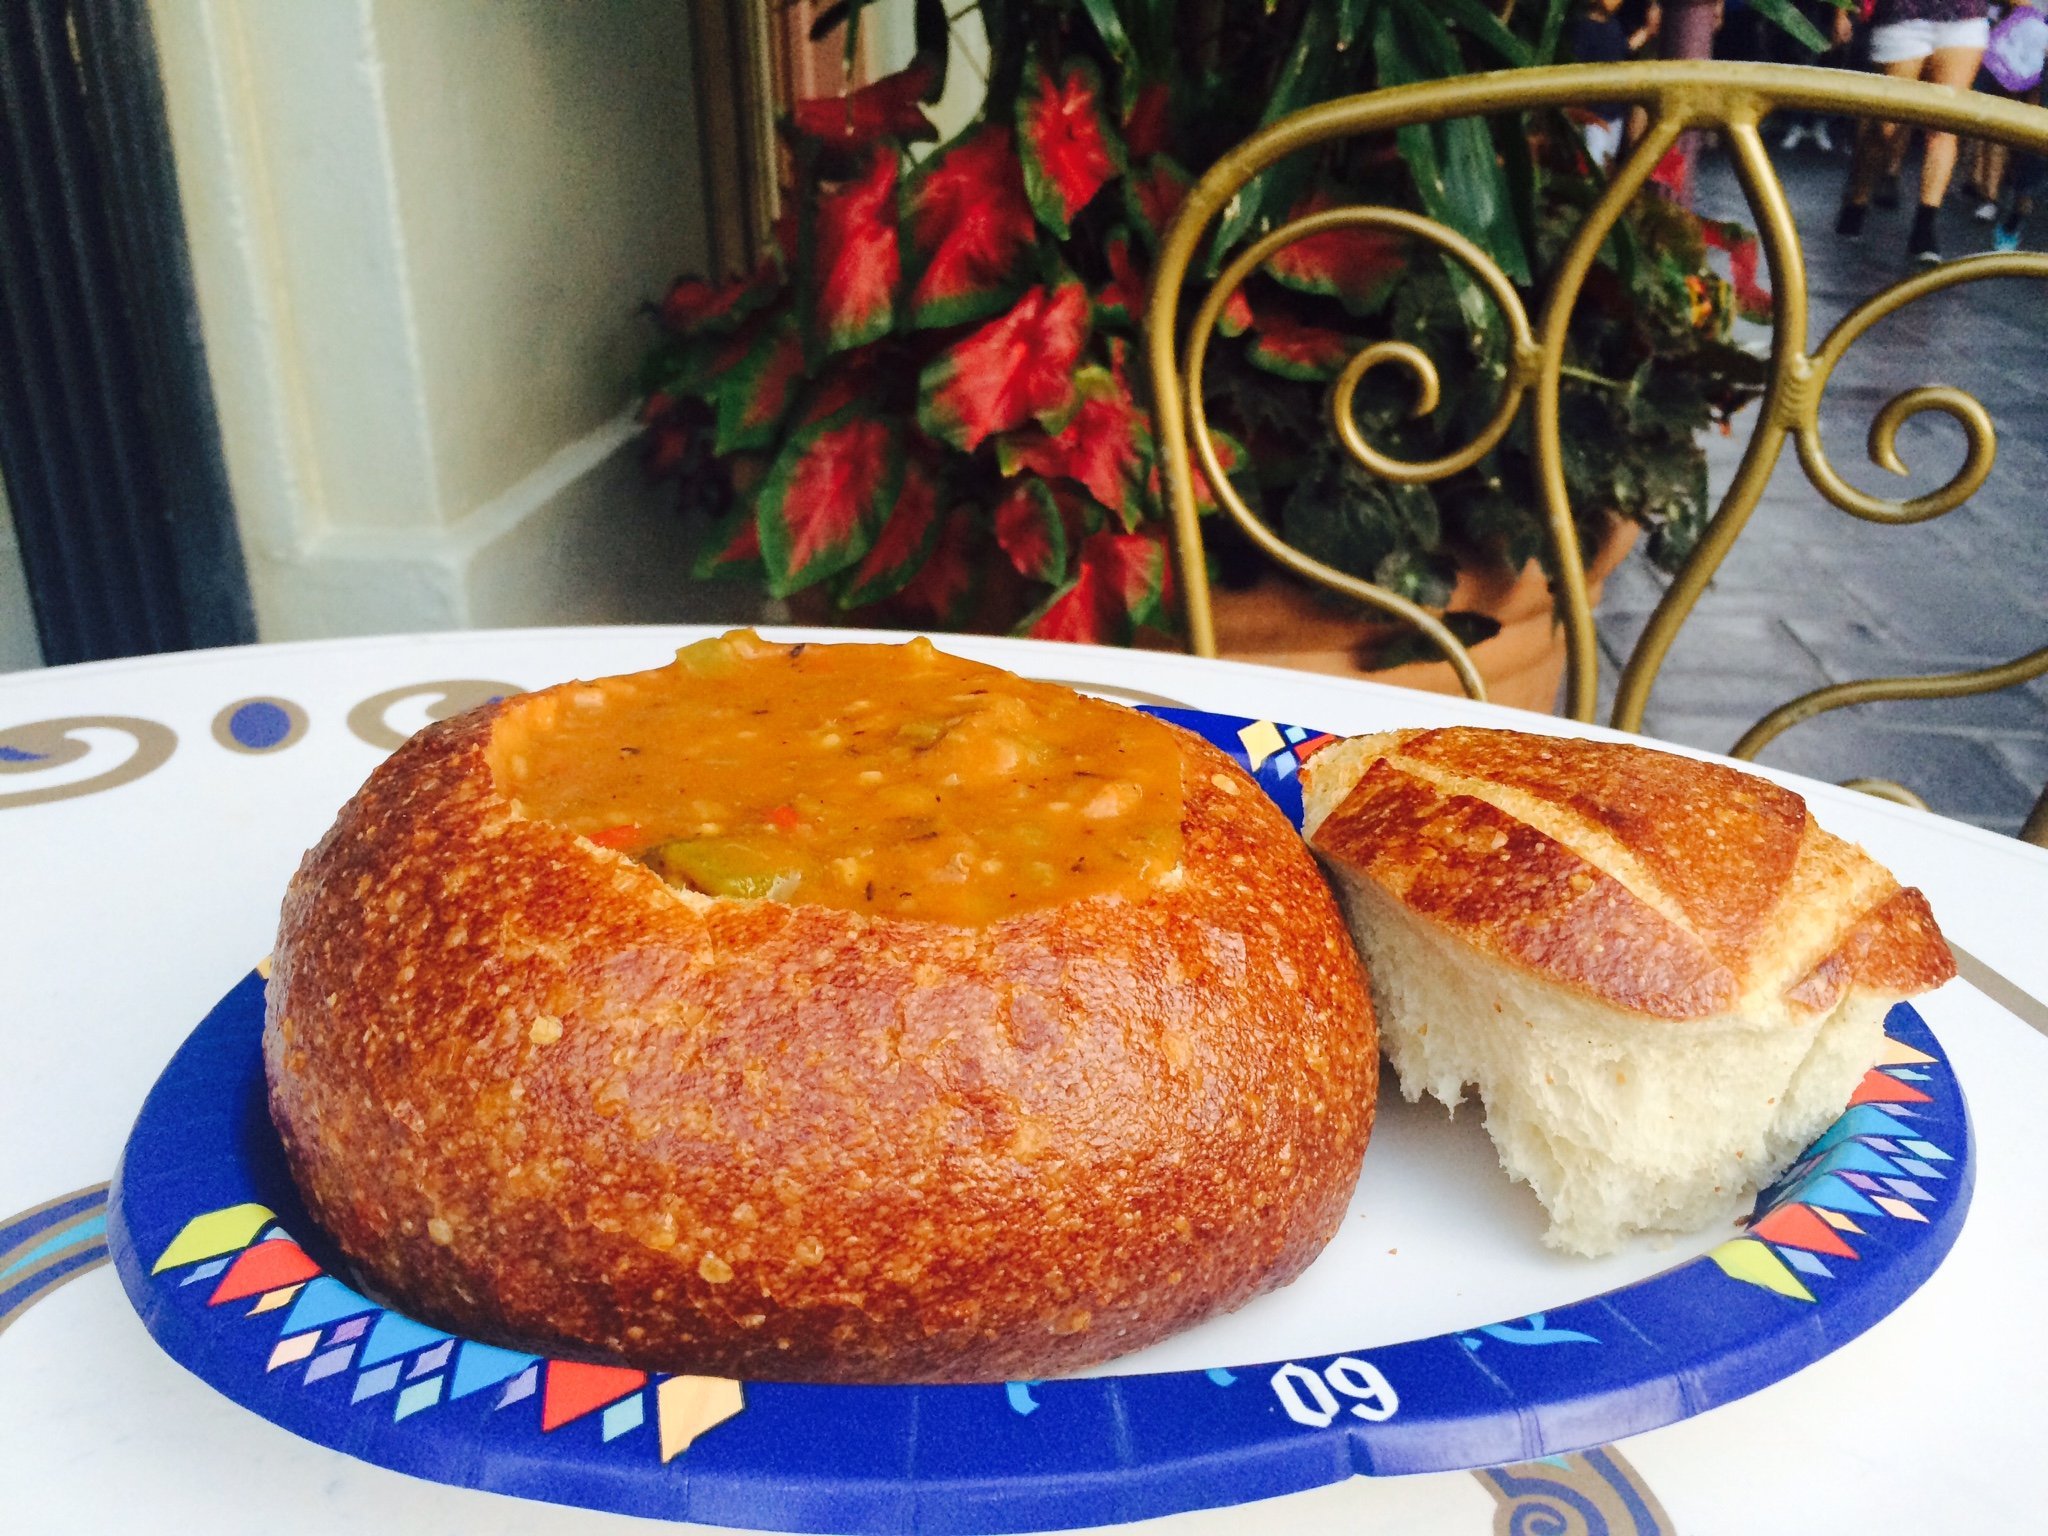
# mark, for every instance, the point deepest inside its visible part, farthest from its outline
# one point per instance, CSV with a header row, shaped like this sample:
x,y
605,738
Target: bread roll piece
x,y
1662,976
925,1095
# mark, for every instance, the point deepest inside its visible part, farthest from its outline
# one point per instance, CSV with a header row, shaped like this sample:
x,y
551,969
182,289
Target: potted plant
x,y
926,407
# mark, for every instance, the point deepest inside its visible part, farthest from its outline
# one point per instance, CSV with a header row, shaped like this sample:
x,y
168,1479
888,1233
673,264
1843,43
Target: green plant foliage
x,y
927,402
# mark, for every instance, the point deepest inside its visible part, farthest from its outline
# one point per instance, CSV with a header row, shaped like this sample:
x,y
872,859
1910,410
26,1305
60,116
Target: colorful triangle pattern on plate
x,y
387,1362
1856,1168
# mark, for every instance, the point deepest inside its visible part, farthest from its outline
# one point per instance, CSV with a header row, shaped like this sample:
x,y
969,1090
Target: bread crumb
x,y
809,1250
714,1269
440,1231
1224,782
545,1030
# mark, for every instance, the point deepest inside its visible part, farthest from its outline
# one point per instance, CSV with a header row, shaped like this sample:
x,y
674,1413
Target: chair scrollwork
x,y
1733,98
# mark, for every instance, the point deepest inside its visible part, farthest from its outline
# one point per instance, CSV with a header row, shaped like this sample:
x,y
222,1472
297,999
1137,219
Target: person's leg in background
x,y
1879,144
1986,159
1987,175
1784,48
2022,184
1955,68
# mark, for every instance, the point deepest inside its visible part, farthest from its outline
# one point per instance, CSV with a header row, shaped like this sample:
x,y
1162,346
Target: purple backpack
x,y
2017,44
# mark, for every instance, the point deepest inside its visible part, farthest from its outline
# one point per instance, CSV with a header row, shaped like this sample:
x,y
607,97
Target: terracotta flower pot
x,y
1283,623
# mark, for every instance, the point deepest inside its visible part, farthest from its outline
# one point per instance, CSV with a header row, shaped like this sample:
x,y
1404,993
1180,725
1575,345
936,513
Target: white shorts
x,y
1898,41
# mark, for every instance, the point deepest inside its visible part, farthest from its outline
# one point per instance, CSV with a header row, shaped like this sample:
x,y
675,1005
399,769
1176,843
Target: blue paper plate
x,y
233,1280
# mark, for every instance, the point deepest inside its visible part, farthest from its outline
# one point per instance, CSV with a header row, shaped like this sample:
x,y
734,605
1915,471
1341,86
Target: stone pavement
x,y
1811,595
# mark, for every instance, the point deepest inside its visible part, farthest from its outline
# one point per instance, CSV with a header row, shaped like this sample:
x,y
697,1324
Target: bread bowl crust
x,y
535,1096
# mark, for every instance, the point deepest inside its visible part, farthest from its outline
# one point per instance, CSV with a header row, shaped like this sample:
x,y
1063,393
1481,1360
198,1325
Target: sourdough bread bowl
x,y
547,1087
1663,977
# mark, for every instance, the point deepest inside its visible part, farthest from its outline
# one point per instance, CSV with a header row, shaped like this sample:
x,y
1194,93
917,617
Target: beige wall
x,y
421,230
543,194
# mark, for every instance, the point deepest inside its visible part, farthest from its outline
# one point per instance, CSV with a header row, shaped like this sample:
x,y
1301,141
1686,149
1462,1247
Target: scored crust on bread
x,y
539,1096
1662,976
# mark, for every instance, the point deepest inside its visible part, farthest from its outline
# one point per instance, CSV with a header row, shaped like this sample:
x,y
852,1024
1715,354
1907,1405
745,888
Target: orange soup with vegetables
x,y
889,779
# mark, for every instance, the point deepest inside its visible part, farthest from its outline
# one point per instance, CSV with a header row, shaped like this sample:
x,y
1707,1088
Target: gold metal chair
x,y
1733,98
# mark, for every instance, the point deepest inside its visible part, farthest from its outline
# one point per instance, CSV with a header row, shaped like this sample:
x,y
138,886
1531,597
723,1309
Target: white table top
x,y
125,913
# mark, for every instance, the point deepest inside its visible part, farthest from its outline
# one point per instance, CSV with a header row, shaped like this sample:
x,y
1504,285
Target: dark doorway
x,y
108,442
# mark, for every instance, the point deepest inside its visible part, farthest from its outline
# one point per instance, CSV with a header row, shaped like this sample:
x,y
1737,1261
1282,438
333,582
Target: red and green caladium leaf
x,y
970,226
1032,532
732,547
1122,298
1231,455
665,442
943,589
1076,613
1752,298
1018,367
1120,584
888,109
693,307
826,495
1229,452
847,378
1106,446
1136,575
1070,151
755,394
1284,345
696,367
1148,126
858,262
1155,193
1236,318
1359,266
908,536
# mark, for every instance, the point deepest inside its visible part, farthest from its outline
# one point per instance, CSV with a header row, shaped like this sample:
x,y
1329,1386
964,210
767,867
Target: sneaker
x,y
1794,137
1820,137
2005,238
1987,212
1849,222
1922,247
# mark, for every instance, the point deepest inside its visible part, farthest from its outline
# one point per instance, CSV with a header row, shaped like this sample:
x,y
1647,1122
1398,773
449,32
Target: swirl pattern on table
x,y
370,720
1585,1493
42,1248
44,745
